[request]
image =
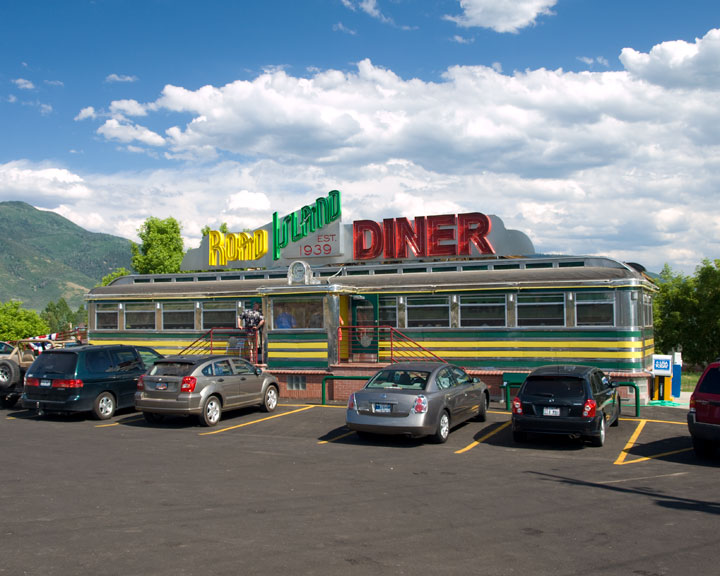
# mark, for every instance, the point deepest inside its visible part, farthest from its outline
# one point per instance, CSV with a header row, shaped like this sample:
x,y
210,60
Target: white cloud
x,y
127,108
23,84
34,182
115,129
502,15
340,27
678,64
87,112
120,78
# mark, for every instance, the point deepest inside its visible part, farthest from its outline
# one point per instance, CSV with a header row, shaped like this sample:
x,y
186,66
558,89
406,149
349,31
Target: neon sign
x,y
428,236
312,218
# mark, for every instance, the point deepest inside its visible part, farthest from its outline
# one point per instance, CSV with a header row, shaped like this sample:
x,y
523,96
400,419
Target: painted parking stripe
x,y
123,421
622,459
483,438
256,421
338,437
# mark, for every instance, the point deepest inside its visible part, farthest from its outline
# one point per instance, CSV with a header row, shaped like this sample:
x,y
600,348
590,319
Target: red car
x,y
704,416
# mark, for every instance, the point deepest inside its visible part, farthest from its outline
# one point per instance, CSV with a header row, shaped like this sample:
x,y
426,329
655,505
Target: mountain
x,y
44,257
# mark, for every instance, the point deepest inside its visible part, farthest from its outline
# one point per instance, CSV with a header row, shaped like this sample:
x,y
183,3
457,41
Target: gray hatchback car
x,y
204,386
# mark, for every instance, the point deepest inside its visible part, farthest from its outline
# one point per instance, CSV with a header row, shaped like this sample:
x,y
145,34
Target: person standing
x,y
252,322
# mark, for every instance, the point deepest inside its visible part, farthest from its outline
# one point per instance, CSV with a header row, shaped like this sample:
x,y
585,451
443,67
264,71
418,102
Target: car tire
x,y
519,437
270,399
8,401
599,440
9,373
104,406
482,411
703,448
211,411
443,428
153,418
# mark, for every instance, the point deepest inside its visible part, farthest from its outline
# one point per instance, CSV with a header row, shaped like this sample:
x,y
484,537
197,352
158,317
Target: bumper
x,y
185,404
70,404
412,425
562,426
702,430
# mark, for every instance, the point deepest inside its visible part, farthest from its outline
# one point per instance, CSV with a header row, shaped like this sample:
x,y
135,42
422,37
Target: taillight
x,y
351,403
516,406
188,384
141,383
74,383
589,408
692,403
420,405
32,381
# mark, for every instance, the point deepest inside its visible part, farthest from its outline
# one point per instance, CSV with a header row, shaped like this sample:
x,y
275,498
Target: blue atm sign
x,y
662,365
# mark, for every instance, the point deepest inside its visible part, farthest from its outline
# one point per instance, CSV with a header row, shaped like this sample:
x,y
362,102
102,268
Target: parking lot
x,y
295,492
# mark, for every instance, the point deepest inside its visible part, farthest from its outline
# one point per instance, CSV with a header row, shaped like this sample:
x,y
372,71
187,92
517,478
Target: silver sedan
x,y
417,399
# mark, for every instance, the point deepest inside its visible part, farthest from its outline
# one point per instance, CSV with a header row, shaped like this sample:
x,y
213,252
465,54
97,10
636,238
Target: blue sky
x,y
591,125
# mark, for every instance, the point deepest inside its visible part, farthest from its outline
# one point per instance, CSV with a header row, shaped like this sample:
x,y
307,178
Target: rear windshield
x,y
171,369
405,379
711,382
555,387
49,363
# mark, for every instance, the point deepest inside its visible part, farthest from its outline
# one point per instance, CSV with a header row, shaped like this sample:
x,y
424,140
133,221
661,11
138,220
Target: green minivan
x,y
96,379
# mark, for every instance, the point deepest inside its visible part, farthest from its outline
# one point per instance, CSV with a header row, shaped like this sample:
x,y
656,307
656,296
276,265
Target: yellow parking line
x,y
622,459
483,438
129,419
256,421
653,421
337,437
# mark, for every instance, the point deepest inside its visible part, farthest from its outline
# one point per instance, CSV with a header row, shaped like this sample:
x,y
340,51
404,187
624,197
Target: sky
x,y
591,125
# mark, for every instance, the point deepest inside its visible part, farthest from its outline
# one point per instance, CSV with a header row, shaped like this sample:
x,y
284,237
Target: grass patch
x,y
688,381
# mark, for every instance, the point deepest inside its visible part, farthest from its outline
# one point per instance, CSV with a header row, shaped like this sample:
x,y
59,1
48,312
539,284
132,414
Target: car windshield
x,y
171,369
55,363
711,383
554,387
404,379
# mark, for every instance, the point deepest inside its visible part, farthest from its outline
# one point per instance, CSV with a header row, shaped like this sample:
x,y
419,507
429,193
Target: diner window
x,y
106,316
178,316
428,311
482,310
647,305
541,310
297,313
219,315
595,308
140,316
388,311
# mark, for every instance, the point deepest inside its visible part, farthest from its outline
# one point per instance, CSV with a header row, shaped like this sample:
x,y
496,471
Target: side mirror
x,y
258,371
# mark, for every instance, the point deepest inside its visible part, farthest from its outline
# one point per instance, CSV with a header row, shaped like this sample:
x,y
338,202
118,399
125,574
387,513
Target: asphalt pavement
x,y
294,492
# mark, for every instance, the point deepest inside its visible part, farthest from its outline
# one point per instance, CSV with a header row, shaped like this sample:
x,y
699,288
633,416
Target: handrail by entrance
x,y
371,342
637,395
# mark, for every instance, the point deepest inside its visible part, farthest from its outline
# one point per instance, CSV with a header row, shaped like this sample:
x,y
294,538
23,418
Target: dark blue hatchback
x,y
97,379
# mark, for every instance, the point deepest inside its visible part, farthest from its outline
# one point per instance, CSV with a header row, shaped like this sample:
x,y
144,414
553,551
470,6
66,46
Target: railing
x,y
232,341
379,344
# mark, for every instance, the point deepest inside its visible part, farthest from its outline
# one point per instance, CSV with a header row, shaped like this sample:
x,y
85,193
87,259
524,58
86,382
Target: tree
x,y
58,316
161,251
687,313
17,322
117,273
206,229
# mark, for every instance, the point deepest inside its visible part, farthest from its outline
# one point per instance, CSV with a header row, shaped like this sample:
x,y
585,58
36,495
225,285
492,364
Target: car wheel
x,y
270,400
104,406
443,428
8,400
519,437
9,373
599,440
153,418
482,410
211,412
703,448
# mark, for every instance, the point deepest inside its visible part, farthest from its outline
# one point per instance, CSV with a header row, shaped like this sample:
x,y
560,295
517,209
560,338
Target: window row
x,y
591,309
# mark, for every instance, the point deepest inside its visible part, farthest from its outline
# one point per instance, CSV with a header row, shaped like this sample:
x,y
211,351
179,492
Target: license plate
x,y
551,411
45,383
382,409
161,386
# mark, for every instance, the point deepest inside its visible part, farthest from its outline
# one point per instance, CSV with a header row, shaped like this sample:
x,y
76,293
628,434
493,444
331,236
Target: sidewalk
x,y
682,402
